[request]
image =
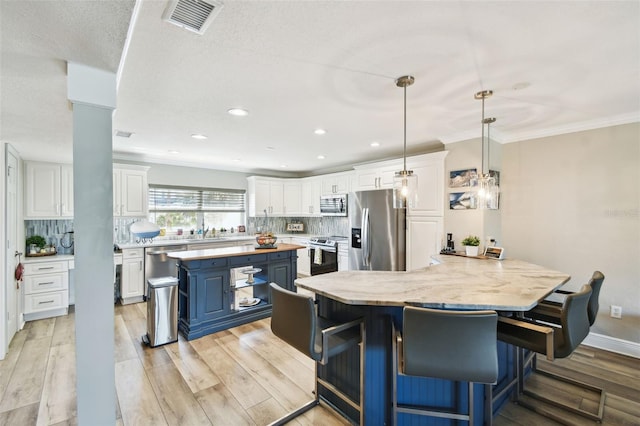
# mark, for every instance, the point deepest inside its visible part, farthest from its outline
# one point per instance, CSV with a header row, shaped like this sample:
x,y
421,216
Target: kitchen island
x,y
378,296
221,288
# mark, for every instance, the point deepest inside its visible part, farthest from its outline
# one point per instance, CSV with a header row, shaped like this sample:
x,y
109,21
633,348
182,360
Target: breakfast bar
x,y
456,283
224,287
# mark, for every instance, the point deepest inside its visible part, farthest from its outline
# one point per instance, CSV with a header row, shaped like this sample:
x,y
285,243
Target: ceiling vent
x,y
192,15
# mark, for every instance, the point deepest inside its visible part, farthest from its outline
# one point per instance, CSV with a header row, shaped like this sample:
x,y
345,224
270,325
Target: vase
x,y
471,250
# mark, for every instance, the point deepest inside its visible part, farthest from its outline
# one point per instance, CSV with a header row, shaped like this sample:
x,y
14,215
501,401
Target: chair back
x,y
596,283
453,345
293,319
574,321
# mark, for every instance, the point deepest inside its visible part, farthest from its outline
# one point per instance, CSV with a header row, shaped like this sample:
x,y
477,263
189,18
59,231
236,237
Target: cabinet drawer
x,y
45,301
44,282
131,253
280,255
45,267
252,258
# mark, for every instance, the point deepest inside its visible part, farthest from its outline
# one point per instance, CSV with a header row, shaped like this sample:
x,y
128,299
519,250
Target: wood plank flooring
x,y
242,376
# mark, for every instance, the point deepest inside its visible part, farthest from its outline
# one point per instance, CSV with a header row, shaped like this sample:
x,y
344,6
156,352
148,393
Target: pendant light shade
x,y
405,183
488,189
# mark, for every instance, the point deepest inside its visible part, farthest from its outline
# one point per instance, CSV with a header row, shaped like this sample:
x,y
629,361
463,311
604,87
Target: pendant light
x,y
488,190
405,183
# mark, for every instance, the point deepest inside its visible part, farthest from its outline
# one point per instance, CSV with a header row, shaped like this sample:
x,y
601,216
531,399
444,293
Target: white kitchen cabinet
x,y
311,189
424,235
265,195
336,183
431,181
304,261
48,190
132,283
46,289
376,176
343,256
130,191
292,197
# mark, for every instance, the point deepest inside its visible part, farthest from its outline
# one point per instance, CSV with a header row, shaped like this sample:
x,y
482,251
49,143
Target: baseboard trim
x,y
613,344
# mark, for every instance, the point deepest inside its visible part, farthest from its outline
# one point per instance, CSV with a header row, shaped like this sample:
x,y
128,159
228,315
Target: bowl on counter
x,y
145,230
266,241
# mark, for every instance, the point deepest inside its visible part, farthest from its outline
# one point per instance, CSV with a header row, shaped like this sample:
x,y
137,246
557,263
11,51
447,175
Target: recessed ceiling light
x,y
319,131
173,151
199,136
236,160
238,112
320,157
375,144
284,166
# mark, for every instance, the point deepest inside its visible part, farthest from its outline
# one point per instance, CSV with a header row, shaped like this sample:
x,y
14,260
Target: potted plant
x,y
35,243
471,244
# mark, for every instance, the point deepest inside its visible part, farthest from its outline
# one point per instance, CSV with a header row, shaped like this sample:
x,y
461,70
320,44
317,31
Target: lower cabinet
x,y
424,235
132,285
343,256
213,295
46,289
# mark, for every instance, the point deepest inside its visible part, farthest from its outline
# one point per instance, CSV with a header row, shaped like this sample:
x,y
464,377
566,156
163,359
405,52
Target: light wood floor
x,y
242,376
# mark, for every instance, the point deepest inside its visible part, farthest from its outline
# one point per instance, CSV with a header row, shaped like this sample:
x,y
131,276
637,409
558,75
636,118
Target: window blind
x,y
178,198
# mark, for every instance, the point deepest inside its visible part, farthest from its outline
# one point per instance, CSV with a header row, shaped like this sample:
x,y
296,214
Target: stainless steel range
x,y
323,254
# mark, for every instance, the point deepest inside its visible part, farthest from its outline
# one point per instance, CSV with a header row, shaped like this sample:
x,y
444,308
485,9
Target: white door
x,y
12,291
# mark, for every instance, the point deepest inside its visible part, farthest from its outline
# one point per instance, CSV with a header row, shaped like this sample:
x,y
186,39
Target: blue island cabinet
x,y
207,288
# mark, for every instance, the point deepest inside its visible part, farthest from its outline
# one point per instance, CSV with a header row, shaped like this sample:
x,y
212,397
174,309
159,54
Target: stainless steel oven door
x,y
324,259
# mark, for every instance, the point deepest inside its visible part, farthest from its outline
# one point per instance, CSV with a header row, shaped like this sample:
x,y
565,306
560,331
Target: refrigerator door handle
x,y
366,241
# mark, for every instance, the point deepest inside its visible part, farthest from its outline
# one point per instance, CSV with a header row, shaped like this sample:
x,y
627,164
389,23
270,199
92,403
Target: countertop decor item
x,y
266,240
37,246
471,244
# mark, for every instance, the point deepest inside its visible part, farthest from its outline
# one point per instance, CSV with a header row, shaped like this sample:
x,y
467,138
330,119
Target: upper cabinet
x,y
48,190
376,175
265,196
292,199
336,183
130,190
310,189
430,171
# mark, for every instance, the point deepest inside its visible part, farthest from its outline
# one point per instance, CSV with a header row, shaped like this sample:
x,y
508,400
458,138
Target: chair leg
x,y
287,418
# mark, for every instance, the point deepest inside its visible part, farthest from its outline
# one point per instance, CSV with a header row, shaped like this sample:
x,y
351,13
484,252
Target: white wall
x,y
572,203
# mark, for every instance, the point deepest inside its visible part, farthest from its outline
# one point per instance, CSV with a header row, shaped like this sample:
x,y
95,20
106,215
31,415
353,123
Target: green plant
x,y
37,240
471,240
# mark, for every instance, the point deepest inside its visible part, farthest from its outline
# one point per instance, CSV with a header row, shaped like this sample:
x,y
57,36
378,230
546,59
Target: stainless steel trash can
x,y
162,311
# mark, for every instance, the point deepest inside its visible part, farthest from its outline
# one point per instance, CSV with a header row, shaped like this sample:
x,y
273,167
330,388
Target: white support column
x,y
93,94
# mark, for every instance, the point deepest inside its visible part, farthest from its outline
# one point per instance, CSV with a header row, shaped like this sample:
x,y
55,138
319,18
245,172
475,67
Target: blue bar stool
x,y
295,321
450,345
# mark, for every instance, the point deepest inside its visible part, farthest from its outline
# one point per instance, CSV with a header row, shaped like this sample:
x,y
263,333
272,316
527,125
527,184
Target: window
x,y
188,208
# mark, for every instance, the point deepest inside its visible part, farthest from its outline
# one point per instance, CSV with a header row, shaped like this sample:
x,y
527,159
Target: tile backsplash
x,y
318,226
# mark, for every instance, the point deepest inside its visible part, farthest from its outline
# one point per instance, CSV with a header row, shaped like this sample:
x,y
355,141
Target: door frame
x,y
7,267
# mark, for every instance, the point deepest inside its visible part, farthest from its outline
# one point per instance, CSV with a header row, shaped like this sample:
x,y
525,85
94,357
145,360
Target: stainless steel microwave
x,y
333,205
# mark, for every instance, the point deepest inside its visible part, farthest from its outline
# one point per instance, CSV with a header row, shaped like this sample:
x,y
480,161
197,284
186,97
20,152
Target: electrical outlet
x,y
616,311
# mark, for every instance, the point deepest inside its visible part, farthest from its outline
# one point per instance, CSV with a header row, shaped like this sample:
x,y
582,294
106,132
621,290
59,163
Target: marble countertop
x,y
229,252
455,283
160,242
52,258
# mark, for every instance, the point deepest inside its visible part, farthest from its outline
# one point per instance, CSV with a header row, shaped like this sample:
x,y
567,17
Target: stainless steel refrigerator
x,y
378,232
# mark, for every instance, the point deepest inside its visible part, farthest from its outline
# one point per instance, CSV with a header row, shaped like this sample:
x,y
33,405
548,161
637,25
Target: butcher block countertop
x,y
229,252
454,283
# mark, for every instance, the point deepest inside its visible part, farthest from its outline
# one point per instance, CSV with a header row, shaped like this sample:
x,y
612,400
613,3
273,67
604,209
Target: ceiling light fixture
x,y
405,183
488,190
321,157
238,112
375,144
199,136
320,131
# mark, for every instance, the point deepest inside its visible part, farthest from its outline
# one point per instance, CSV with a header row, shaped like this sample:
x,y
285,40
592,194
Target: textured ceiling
x,y
554,67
